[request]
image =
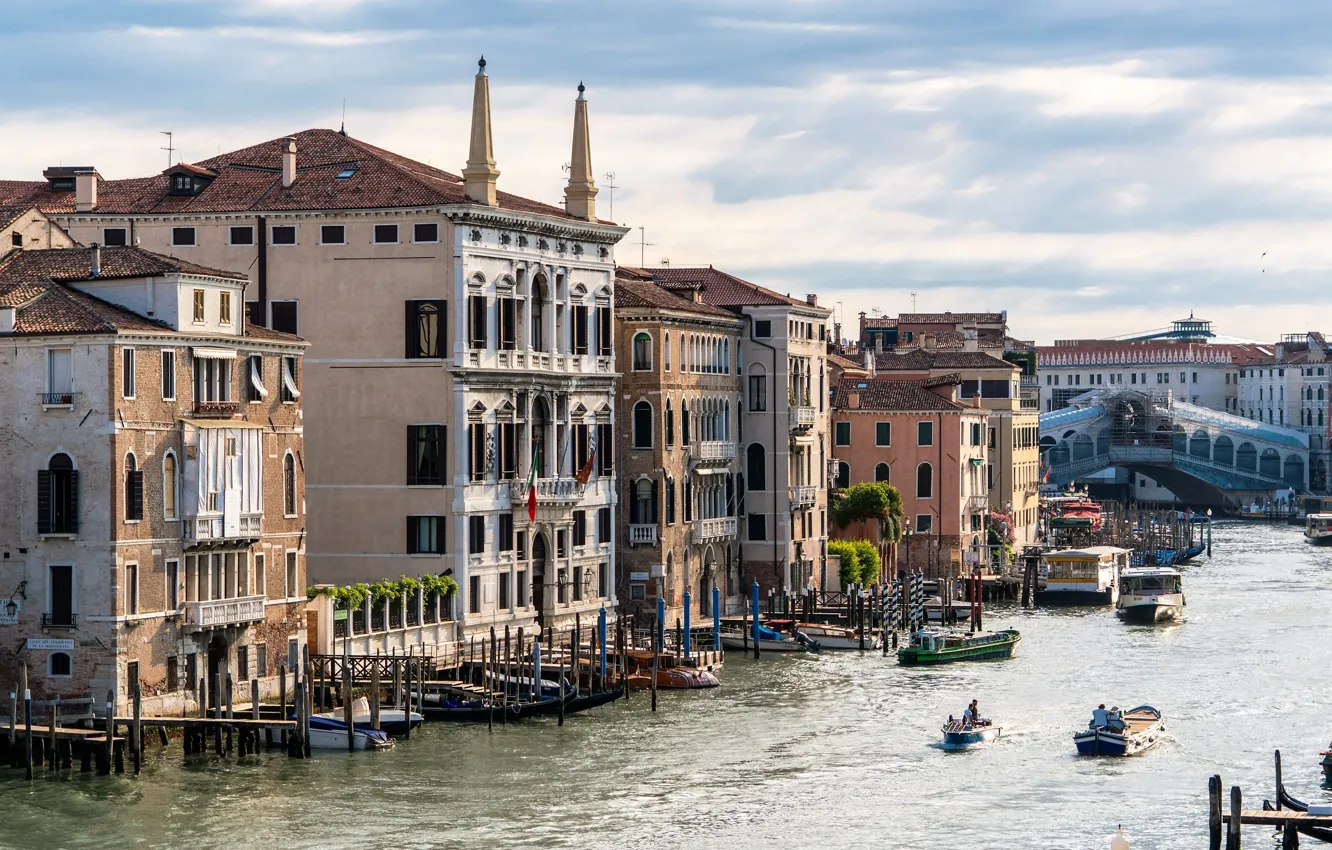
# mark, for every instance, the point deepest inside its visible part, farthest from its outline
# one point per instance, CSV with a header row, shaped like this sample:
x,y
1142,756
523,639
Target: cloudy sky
x,y
1092,167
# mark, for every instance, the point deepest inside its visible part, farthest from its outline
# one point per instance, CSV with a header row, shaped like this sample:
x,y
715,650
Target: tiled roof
x,y
69,264
723,290
889,395
1112,353
877,322
950,318
53,308
918,359
9,215
251,179
846,363
634,288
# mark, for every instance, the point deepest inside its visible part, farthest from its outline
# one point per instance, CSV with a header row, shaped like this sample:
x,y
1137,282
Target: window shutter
x,y
136,494
411,538
656,499
43,501
411,329
73,501
411,454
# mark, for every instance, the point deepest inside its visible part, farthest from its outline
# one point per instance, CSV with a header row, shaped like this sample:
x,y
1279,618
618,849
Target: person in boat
x,y
967,718
976,715
1100,717
1116,721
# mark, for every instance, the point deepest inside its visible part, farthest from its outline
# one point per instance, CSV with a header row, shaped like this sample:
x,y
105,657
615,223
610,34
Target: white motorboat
x,y
1082,576
1151,594
392,721
769,640
1318,528
1116,733
835,637
958,735
327,733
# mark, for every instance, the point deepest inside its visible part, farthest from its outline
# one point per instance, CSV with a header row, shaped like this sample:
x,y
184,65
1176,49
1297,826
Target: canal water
x,y
833,751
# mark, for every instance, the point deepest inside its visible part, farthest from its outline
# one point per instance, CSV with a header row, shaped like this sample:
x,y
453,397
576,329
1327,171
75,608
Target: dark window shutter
x,y
411,538
443,458
43,502
656,499
411,330
136,494
73,501
411,454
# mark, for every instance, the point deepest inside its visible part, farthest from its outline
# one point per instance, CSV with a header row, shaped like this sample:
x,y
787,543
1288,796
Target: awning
x,y
200,352
288,380
256,380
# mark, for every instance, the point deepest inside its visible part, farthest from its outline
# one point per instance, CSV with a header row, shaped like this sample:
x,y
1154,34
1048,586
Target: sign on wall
x,y
639,576
50,644
7,618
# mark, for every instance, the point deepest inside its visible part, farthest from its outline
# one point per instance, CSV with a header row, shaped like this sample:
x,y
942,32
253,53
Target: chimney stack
x,y
580,196
85,190
96,259
289,164
812,300
480,174
853,400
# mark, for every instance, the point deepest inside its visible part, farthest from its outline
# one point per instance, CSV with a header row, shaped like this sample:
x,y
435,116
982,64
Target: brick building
x,y
155,526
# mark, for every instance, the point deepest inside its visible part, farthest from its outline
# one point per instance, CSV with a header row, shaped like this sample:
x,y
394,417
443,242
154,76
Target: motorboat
x,y
962,735
933,645
391,721
1112,732
1087,576
1318,529
837,637
328,733
769,640
1151,594
670,673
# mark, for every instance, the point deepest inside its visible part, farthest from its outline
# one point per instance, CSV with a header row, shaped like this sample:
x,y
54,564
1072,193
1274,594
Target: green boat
x,y
944,646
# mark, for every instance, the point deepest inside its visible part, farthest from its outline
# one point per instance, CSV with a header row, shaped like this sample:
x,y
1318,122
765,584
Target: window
x,y
172,673
975,433
637,592
763,328
224,308
284,316
242,663
883,433
182,237
425,232
670,501
58,497
924,433
758,527
16,239
642,425
59,376
687,498
881,473
666,352
60,578
254,378
841,433
386,234
603,580
642,352
58,665
168,375
843,477
290,389
424,326
172,585
605,332
505,579
474,594
924,481
505,532
605,449
293,587
476,451
284,234
131,588
127,373
423,535
242,235
758,392
520,588
604,525
508,323
476,535
561,549
924,523
198,314
670,425
289,485
115,237
424,460
756,467
332,234
580,329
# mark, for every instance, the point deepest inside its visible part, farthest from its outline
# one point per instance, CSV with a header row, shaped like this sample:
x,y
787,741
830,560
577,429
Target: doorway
x,y
217,663
539,577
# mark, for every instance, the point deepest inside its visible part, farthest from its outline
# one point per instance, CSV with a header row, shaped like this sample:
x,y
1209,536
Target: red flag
x,y
531,486
585,474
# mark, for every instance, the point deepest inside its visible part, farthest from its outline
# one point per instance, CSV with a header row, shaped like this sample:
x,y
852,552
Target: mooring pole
x,y
754,604
601,645
716,618
686,638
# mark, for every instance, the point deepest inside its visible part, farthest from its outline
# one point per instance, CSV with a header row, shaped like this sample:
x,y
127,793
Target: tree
x,y
871,501
848,572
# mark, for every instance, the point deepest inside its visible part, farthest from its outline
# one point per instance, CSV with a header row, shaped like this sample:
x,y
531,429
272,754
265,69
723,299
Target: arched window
x,y
645,502
756,467
642,425
881,473
539,314
170,486
666,351
133,488
924,481
58,497
843,475
642,352
670,423
58,664
684,422
1320,393
289,485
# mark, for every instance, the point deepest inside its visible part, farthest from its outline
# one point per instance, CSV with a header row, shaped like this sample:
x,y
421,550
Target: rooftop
x,y
72,264
635,288
952,318
921,359
889,395
724,290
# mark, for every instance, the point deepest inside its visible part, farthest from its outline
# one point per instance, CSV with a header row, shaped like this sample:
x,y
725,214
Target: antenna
x,y
913,302
610,194
170,147
642,247
342,128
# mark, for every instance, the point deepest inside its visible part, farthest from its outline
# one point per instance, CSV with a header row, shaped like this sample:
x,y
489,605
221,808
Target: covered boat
x,y
1151,594
1088,576
934,645
1112,732
958,735
1318,528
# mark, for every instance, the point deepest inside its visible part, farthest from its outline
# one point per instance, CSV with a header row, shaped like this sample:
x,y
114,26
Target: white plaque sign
x,y
50,643
639,576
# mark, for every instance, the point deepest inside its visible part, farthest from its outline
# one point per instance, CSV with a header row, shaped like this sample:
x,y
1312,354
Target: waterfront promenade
x,y
829,751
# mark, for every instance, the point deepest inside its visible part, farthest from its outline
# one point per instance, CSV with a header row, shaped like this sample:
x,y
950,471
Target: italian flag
x,y
531,486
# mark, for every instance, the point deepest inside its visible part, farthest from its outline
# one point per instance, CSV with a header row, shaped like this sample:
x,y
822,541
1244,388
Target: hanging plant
x,y
442,586
409,585
384,589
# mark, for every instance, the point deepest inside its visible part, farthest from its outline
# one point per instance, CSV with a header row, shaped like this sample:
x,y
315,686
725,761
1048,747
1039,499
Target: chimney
x,y
812,300
289,164
480,174
8,316
96,260
85,190
970,340
580,196
853,400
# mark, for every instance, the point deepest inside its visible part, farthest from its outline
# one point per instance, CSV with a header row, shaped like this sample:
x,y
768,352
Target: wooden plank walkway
x,y
237,722
43,730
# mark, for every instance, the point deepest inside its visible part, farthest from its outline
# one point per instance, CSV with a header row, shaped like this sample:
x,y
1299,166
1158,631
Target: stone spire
x,y
580,196
480,174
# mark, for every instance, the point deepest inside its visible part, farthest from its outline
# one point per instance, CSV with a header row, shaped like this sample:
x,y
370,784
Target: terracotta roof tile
x,y
723,290
9,215
53,308
889,395
69,264
918,359
632,290
950,318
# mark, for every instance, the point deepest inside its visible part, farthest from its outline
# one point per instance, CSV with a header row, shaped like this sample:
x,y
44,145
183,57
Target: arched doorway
x,y
217,664
539,577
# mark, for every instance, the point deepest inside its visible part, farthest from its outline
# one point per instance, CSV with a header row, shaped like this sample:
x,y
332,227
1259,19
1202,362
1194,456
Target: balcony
x,y
219,409
714,528
220,613
977,504
1027,381
58,399
804,495
642,534
550,492
713,452
60,621
206,529
802,418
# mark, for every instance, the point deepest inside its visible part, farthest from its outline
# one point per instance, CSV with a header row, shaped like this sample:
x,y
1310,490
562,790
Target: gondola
x,y
1285,801
586,701
479,711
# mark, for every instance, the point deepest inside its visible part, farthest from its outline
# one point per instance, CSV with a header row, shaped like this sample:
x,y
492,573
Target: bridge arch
x,y
1200,444
1103,442
1223,450
1083,448
1180,440
1246,456
1059,454
1269,463
1293,470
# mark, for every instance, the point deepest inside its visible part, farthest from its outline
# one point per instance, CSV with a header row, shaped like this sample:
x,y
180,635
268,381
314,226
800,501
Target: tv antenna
x,y
913,302
642,247
610,193
170,147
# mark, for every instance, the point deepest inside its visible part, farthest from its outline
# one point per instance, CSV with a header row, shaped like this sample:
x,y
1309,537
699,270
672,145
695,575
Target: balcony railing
x,y
205,528
216,408
1029,381
549,491
58,399
978,503
715,527
60,621
802,418
714,451
219,613
643,534
804,495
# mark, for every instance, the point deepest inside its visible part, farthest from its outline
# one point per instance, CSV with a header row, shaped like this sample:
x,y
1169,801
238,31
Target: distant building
x,y
1289,387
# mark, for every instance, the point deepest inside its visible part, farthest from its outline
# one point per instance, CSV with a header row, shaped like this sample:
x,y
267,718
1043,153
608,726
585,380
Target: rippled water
x,y
833,751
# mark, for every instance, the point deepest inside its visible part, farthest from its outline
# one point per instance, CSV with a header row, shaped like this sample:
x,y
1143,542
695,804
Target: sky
x,y
1094,168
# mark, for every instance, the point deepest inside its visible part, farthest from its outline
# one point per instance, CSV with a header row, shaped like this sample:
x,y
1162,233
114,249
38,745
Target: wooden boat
x,y
1318,529
329,734
1110,734
480,711
934,645
392,721
1151,594
836,637
670,673
1087,576
769,640
957,736
582,703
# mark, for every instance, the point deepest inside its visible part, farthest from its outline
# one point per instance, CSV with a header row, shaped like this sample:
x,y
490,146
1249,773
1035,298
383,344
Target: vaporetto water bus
x,y
1087,576
1151,594
1318,528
